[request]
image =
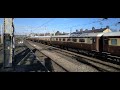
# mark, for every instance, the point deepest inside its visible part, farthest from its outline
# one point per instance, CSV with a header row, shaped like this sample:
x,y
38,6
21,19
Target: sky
x,y
50,25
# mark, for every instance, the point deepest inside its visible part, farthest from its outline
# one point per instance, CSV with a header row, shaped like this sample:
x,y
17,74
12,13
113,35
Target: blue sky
x,y
41,25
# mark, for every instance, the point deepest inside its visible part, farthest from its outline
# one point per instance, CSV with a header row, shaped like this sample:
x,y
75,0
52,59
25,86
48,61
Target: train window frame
x,y
60,39
74,39
106,41
64,39
113,41
56,39
94,40
81,40
68,39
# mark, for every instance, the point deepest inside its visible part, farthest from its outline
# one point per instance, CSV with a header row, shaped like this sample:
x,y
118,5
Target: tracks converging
x,y
27,61
93,64
50,65
37,57
24,61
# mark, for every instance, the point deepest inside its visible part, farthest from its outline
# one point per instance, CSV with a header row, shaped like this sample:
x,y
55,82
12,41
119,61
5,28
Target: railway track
x,y
63,62
27,61
17,51
24,61
47,62
75,58
100,66
30,63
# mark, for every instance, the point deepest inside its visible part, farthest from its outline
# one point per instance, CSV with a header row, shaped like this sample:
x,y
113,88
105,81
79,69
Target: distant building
x,y
98,30
59,33
93,30
39,34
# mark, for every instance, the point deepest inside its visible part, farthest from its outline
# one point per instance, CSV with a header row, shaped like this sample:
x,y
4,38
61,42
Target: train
x,y
105,45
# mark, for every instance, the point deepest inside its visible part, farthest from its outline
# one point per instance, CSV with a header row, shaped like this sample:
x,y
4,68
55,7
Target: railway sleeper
x,y
103,56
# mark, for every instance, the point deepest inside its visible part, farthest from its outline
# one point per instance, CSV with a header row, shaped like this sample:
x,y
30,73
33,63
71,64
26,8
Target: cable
x,y
98,21
25,28
45,23
84,24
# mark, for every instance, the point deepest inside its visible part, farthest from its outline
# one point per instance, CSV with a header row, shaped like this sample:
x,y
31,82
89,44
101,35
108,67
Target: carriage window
x,y
81,40
113,41
59,39
74,40
63,39
56,39
106,40
94,40
68,39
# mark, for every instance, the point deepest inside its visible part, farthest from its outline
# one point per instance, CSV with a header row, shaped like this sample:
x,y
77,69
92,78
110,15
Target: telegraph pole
x,y
8,42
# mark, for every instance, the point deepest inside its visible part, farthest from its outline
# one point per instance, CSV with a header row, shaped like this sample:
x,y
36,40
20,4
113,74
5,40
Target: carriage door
x,y
93,44
101,44
105,44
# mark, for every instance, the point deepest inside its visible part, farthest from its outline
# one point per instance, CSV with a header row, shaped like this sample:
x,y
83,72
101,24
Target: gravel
x,y
69,66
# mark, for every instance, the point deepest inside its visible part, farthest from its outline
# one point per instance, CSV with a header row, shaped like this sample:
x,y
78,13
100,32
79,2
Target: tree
x,y
57,33
93,28
76,30
107,27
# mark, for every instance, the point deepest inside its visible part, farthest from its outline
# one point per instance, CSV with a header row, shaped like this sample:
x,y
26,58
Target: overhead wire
x,y
36,28
98,21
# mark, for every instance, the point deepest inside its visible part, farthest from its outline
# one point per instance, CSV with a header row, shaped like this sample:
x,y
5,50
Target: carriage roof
x,y
112,34
61,36
87,35
41,37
